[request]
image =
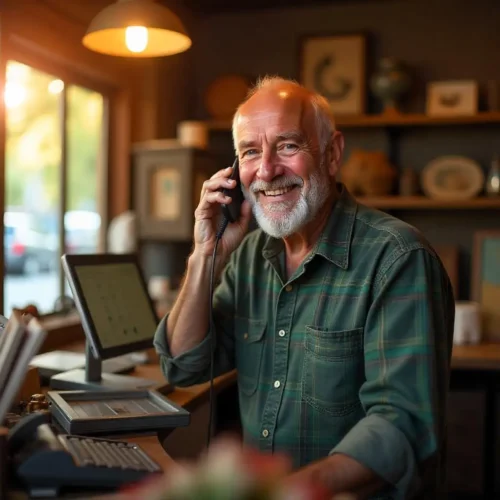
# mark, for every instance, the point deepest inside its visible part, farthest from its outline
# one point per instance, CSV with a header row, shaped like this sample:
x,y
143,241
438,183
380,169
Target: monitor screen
x,y
113,302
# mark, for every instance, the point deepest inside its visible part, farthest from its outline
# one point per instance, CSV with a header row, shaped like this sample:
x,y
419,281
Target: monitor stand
x,y
92,378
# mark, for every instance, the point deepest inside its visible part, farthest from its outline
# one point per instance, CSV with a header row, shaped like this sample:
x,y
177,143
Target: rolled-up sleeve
x,y
187,368
193,366
407,351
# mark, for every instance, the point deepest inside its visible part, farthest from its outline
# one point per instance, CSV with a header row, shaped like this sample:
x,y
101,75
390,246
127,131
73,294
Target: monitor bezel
x,y
69,263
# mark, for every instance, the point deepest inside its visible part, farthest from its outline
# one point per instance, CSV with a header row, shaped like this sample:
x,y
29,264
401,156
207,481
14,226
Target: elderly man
x,y
337,317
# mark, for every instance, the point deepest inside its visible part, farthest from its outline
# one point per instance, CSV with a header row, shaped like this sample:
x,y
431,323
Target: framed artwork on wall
x,y
167,187
486,281
335,67
452,98
165,192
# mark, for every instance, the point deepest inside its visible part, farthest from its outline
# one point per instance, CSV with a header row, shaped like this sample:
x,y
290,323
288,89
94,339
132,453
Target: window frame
x,y
70,76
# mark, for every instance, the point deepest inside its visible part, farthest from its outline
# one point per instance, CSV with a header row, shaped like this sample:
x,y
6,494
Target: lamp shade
x,y
136,28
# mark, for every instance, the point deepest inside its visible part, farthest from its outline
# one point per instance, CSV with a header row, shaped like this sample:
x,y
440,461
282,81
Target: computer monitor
x,y
117,316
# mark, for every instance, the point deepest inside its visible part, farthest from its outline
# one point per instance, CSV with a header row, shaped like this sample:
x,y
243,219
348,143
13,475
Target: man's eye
x,y
289,147
249,152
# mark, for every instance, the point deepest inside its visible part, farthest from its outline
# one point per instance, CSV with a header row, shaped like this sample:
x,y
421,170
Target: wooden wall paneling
x,y
2,144
119,173
38,27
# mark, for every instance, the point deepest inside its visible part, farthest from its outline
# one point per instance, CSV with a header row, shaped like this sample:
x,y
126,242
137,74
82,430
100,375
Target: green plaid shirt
x,y
349,355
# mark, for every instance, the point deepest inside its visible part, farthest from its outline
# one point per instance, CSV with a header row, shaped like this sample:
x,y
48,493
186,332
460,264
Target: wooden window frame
x,y
117,114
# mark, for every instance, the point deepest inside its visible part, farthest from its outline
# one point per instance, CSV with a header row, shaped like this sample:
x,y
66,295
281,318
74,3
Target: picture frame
x,y
486,281
167,187
335,67
452,98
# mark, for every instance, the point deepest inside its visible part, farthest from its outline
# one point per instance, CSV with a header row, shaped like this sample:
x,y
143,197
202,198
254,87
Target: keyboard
x,y
96,452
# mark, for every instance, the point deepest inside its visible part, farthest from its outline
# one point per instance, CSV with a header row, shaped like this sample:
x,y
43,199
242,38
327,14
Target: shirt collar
x,y
334,242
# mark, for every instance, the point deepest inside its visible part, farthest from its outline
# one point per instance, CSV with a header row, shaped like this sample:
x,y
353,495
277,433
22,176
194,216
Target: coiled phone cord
x,y
211,331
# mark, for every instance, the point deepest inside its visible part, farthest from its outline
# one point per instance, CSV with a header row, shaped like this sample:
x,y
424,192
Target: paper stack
x,y
20,340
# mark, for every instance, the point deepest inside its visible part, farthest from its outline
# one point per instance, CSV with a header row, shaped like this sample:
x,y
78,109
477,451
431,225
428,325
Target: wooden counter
x,y
484,356
191,398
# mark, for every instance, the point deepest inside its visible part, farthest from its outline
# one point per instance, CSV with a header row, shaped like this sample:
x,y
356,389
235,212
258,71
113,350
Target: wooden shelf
x,y
424,203
410,120
393,120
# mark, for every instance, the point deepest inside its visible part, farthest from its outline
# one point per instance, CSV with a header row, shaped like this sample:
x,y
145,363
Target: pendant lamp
x,y
136,28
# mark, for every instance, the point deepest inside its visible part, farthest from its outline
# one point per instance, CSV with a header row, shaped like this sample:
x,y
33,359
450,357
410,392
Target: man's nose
x,y
269,168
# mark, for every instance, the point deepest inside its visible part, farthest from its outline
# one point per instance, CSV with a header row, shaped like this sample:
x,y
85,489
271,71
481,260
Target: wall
x,y
440,40
449,39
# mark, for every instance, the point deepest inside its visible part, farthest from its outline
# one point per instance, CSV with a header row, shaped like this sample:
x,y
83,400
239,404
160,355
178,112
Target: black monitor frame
x,y
70,262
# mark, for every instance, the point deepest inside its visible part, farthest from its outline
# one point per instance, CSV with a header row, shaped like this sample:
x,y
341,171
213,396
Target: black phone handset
x,y
232,211
25,430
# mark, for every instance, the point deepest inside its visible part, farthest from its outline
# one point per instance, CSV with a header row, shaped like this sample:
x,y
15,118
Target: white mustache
x,y
280,183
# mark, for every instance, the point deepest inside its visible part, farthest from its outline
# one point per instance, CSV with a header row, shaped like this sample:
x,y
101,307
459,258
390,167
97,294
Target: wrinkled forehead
x,y
274,112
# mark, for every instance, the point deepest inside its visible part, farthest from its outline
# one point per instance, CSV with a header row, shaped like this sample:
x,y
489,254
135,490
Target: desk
x,y
485,356
191,398
469,364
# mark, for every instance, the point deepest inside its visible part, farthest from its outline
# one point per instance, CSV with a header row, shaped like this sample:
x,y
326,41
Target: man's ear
x,y
335,153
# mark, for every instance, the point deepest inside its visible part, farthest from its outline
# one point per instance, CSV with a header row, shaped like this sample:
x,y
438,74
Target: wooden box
x,y
168,179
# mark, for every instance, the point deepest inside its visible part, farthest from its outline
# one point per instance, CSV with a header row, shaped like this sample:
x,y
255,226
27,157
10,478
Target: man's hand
x,y
341,476
208,217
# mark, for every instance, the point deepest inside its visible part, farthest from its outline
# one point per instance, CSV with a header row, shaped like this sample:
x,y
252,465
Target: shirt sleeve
x,y
193,366
407,346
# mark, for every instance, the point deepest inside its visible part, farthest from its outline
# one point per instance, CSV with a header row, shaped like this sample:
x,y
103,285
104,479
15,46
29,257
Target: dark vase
x,y
390,82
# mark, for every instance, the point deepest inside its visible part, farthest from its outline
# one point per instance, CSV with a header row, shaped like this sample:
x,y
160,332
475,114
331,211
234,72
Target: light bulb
x,y
56,86
136,38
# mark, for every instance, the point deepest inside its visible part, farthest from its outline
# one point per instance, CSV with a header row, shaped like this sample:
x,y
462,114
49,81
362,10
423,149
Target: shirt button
x,y
245,336
265,433
282,333
289,288
277,384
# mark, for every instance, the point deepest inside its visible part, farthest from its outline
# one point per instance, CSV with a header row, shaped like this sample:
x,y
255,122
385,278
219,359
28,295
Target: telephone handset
x,y
44,460
232,211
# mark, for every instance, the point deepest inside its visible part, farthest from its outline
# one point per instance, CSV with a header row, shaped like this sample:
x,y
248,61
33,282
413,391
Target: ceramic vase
x,y
390,82
493,179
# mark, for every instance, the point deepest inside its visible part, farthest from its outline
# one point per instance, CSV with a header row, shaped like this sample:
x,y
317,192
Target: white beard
x,y
292,219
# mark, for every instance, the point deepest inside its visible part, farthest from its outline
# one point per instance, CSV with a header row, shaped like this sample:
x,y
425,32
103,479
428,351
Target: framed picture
x,y
452,98
334,66
486,281
165,192
167,187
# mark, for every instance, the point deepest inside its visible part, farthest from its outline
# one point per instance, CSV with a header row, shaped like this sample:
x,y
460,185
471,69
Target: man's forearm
x,y
187,323
340,474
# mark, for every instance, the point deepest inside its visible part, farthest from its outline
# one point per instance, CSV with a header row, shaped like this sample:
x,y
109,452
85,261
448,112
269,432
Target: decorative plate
x,y
452,178
225,94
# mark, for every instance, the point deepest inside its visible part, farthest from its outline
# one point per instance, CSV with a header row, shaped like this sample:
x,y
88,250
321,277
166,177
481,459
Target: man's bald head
x,y
314,106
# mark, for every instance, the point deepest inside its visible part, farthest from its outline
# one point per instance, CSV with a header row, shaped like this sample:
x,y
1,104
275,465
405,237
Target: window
x,y
54,175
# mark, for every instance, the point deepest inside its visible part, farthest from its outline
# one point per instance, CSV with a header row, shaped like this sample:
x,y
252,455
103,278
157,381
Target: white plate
x,y
452,178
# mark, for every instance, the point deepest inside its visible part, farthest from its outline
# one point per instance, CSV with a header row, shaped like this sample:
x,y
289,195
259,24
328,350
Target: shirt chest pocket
x,y
333,370
249,346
